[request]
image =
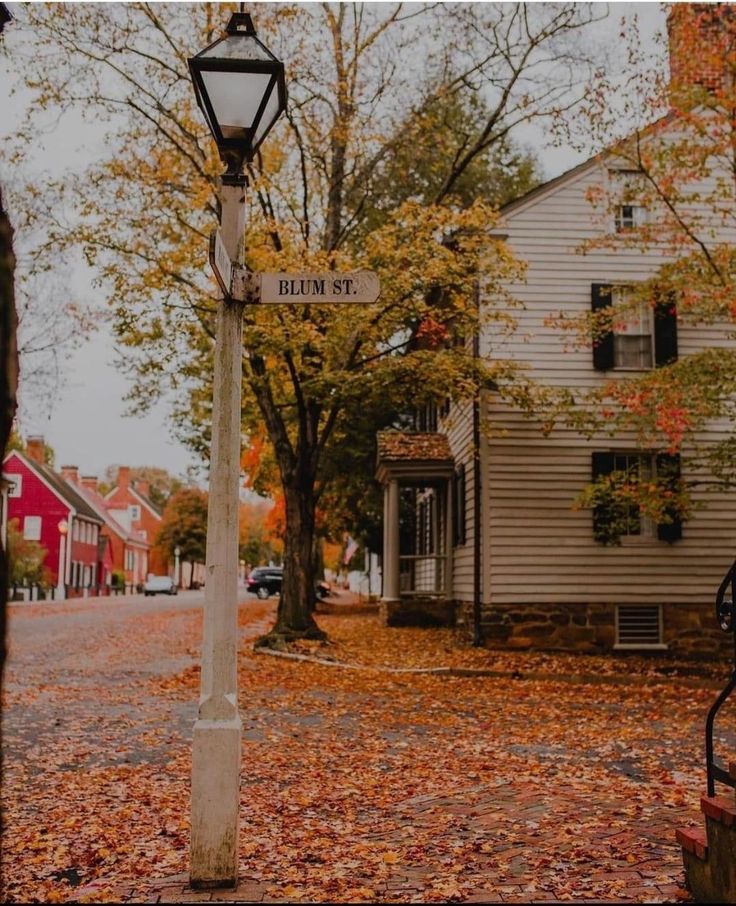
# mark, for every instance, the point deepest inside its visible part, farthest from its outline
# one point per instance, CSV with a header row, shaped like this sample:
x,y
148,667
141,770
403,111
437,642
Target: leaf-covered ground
x,y
357,784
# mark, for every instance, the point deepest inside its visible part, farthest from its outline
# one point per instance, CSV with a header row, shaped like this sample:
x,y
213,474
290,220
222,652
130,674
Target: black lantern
x,y
241,90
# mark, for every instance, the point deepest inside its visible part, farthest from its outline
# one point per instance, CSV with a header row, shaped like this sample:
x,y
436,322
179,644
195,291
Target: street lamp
x,y
240,88
177,554
63,527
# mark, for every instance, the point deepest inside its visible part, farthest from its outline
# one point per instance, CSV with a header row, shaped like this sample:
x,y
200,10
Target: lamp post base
x,y
215,803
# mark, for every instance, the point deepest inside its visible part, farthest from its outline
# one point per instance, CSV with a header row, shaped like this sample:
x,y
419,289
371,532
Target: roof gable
x,y
57,485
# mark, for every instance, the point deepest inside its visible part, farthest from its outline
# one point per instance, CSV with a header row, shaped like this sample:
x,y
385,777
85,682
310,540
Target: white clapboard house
x,y
479,525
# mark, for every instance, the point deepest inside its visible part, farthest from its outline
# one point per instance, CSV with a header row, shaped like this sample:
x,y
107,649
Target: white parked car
x,y
160,585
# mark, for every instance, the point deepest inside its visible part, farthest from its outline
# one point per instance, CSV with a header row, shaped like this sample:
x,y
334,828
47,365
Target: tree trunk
x,y
294,618
8,384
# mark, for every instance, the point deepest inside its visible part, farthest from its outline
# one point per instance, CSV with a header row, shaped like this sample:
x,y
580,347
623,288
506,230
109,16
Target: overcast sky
x,y
86,422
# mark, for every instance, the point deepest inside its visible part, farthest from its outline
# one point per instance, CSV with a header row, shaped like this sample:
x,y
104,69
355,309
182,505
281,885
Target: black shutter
x,y
665,330
601,297
668,472
602,464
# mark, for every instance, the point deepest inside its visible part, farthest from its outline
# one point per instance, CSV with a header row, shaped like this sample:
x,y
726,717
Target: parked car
x,y
160,585
265,581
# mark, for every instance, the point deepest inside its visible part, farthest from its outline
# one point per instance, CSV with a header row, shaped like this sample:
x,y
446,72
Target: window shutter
x,y
601,297
665,330
602,464
668,468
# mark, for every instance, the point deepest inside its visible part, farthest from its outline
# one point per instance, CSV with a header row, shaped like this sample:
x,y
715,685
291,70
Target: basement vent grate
x,y
638,626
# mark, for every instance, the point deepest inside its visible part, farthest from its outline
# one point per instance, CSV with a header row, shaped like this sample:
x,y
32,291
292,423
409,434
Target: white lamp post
x,y
241,90
63,527
177,577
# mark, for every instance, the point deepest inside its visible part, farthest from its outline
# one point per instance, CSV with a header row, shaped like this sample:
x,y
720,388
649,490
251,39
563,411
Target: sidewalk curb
x,y
470,673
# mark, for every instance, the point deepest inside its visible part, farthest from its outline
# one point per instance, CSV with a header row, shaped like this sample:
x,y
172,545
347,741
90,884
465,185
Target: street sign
x,y
221,263
328,288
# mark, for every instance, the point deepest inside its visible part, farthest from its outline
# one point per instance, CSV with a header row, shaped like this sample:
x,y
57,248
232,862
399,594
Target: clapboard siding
x,y
536,547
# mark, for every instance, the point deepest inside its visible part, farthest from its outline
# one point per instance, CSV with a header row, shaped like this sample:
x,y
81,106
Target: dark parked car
x,y
265,581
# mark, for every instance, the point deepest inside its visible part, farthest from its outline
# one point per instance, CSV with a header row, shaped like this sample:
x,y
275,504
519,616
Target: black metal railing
x,y
726,616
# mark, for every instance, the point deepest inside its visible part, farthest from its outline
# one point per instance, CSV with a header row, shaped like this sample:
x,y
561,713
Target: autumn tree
x,y
321,198
259,544
26,558
184,525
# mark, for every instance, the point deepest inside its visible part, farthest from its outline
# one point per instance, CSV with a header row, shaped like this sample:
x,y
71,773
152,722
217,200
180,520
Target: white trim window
x,y
641,467
627,189
629,217
135,512
32,528
15,482
633,335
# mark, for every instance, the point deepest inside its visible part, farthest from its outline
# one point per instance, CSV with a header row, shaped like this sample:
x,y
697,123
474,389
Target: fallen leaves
x,y
359,785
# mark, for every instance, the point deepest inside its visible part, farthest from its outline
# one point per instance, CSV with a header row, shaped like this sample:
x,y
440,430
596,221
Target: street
x,y
356,784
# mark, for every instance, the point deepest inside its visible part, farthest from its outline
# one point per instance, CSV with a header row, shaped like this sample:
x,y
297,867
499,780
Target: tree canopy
x,y
377,165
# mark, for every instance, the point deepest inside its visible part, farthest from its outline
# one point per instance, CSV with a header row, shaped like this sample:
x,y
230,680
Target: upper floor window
x,y
627,192
629,216
15,485
32,528
135,512
426,419
642,335
632,336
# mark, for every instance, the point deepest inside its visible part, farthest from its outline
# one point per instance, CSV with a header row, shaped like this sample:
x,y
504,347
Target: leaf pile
x,y
356,784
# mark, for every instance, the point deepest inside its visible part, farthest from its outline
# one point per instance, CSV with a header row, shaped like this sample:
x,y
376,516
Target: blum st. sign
x,y
327,288
356,288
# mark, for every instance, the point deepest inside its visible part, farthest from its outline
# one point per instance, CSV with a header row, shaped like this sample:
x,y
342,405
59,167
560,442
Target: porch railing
x,y
423,574
726,616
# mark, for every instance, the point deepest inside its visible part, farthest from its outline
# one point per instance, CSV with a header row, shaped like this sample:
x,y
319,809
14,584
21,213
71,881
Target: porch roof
x,y
403,454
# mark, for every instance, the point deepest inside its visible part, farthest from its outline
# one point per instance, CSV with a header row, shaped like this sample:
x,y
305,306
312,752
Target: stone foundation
x,y
689,630
417,612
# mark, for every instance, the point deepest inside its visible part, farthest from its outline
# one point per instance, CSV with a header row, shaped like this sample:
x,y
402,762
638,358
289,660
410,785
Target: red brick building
x,y
129,504
129,551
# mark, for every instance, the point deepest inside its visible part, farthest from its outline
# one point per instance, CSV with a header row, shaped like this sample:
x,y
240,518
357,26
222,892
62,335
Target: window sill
x,y
660,646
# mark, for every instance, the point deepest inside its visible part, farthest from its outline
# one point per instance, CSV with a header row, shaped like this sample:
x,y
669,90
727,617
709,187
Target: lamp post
x,y
63,527
240,88
177,577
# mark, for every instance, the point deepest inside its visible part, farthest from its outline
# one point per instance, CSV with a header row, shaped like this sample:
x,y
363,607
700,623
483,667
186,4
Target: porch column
x,y
449,539
391,541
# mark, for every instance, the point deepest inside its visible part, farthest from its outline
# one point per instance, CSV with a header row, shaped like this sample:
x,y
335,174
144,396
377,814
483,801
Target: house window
x,y
628,188
426,419
639,626
629,216
75,531
613,517
32,528
15,483
639,467
135,512
632,336
642,336
460,506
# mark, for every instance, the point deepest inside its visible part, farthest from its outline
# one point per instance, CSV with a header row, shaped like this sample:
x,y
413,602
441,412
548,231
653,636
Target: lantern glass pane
x,y
237,47
270,113
235,98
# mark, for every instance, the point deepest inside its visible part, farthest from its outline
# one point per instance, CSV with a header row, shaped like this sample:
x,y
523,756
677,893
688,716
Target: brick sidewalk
x,y
642,864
